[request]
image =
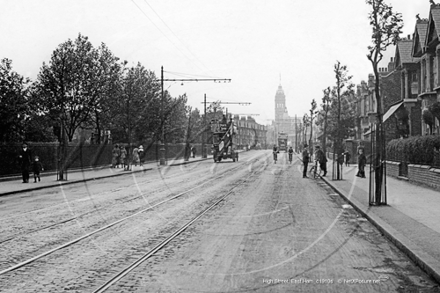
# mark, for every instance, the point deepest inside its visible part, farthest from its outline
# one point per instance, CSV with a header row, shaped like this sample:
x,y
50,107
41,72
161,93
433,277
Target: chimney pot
x,y
409,37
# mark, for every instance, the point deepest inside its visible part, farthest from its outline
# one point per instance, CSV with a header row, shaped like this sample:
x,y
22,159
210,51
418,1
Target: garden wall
x,y
80,155
423,174
393,169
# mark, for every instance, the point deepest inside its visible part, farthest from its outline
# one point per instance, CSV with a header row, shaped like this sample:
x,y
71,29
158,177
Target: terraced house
x,y
417,60
426,46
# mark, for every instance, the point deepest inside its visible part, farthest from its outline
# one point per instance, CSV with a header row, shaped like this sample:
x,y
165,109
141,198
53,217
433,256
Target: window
x,y
414,77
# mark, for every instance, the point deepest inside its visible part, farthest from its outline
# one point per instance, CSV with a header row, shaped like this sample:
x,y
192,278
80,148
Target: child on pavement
x,y
37,167
362,161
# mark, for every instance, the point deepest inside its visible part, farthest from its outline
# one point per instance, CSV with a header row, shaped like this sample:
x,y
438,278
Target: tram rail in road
x,y
65,245
163,243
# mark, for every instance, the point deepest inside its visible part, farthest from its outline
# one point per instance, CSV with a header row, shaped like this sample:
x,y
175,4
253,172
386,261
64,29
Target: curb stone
x,y
427,263
95,178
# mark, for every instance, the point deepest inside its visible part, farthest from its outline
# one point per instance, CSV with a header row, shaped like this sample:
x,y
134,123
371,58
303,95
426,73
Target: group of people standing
x,y
121,158
321,158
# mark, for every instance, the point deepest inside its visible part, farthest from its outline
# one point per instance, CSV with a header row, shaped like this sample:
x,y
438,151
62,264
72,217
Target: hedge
x,y
414,150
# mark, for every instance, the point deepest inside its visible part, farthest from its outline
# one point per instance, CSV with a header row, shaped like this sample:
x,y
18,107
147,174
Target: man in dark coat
x,y
322,159
305,160
25,159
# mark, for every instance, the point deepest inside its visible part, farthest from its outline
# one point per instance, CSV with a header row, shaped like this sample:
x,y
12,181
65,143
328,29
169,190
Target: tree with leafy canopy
x,y
323,115
103,85
214,111
65,87
14,108
342,119
132,111
176,119
313,113
387,26
194,129
306,123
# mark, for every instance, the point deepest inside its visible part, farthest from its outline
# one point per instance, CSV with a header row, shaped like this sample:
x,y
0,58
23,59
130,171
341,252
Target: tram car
x,y
282,141
223,145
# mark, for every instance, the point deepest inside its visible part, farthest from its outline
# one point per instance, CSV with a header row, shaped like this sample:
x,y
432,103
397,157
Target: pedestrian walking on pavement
x,y
141,155
193,151
340,159
135,160
115,156
347,157
362,161
123,157
322,159
25,160
305,160
37,167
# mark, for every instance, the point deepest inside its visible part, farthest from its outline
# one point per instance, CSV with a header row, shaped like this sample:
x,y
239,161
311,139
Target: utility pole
x,y
204,151
162,140
162,143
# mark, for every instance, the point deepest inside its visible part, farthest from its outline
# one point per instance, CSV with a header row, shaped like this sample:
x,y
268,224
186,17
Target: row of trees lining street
x,y
83,87
337,115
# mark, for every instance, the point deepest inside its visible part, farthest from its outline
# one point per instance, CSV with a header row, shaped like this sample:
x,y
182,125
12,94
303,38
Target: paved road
x,y
277,232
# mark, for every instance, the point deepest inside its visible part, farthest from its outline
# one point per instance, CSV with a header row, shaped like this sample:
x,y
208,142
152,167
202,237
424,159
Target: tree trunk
x,y
98,128
377,165
324,136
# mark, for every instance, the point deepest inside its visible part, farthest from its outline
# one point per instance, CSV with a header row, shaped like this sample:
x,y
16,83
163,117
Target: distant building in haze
x,y
283,122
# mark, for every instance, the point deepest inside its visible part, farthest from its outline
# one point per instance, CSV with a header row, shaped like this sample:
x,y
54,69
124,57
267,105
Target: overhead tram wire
x,y
186,47
183,53
181,74
195,77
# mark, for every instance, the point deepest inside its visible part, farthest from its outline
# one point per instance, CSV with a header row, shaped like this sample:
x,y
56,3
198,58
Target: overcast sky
x,y
256,43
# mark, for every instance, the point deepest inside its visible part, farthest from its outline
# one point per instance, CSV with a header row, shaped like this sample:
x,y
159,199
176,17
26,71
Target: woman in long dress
x,y
123,157
115,156
136,156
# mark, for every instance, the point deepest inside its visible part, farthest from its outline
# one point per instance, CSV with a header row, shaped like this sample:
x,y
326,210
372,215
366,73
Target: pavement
x,y
411,218
14,185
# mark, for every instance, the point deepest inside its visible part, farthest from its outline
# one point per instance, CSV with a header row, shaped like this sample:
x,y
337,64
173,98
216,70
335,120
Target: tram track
x,y
77,217
51,206
87,235
94,210
162,244
116,201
